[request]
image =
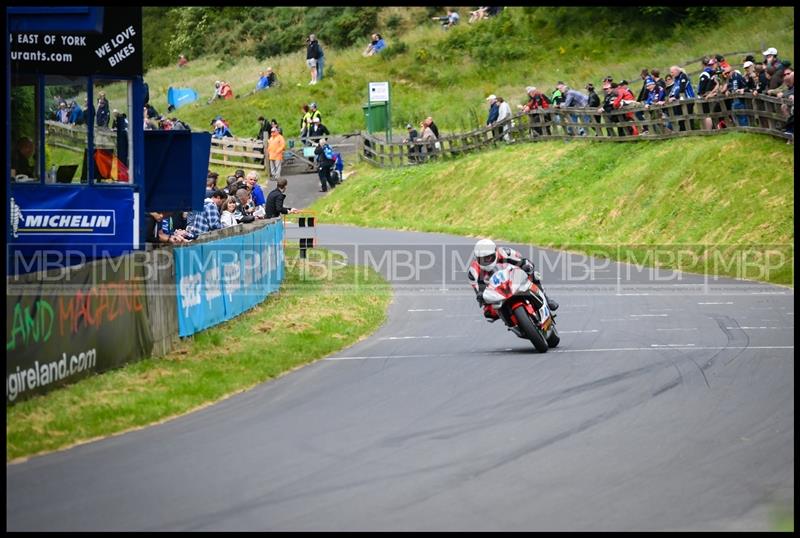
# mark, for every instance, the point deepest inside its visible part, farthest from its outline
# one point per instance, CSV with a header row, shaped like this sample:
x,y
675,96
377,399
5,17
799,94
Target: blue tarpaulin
x,y
177,97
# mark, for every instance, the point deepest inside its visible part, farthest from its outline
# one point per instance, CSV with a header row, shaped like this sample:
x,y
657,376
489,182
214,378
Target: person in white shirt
x,y
228,219
503,113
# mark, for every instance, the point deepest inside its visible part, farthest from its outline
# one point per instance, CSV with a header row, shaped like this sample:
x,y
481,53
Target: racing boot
x,y
490,313
537,279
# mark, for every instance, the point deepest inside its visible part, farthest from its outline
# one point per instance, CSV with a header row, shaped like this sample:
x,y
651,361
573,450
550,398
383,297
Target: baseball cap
x,y
771,51
623,82
313,105
529,89
409,126
491,97
648,81
609,78
747,64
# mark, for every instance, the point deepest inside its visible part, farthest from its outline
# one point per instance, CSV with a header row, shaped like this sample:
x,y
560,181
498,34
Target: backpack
x,y
328,152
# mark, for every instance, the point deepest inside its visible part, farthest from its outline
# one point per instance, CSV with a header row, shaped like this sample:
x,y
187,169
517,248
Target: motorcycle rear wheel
x,y
530,329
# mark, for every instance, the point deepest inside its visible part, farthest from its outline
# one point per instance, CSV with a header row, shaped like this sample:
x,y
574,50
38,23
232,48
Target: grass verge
x,y
720,205
322,307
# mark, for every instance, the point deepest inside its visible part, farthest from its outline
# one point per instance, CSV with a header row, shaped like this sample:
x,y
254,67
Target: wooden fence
x,y
231,151
249,152
747,113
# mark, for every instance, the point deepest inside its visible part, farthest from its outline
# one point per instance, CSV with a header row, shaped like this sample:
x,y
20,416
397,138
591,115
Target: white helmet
x,y
486,254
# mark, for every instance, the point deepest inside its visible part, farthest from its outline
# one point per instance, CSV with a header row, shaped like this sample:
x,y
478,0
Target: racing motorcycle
x,y
522,306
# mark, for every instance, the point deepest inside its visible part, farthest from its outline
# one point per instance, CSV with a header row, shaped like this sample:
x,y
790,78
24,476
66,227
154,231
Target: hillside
x,y
718,191
449,74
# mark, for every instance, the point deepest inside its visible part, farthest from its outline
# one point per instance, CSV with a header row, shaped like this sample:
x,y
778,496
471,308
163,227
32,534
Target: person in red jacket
x,y
625,97
536,100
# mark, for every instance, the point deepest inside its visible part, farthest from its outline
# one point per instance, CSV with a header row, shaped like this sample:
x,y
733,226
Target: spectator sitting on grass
x,y
377,45
182,61
449,20
263,81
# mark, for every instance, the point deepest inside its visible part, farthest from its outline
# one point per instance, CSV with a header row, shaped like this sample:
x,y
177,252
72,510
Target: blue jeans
x,y
320,63
743,121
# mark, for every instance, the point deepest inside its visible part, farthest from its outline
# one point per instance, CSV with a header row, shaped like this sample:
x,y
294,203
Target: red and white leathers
x,y
479,277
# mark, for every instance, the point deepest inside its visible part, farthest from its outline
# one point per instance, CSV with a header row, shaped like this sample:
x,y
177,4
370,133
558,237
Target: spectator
x,y
263,81
503,114
494,109
272,77
228,217
75,114
103,115
410,140
735,84
231,188
314,112
429,140
263,128
318,130
681,89
211,183
274,123
449,20
750,76
654,96
573,99
225,90
536,101
305,124
313,54
245,208
221,130
433,128
275,149
182,61
207,219
707,87
481,13
668,83
256,194
63,112
610,94
21,158
324,154
763,78
376,45
645,74
775,67
593,102
655,74
320,62
275,199
168,232
625,98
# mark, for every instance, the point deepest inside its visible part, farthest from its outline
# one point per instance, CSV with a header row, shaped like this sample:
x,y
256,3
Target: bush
x,y
395,49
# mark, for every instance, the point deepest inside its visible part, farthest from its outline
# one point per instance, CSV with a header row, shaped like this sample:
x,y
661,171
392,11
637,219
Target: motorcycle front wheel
x,y
529,328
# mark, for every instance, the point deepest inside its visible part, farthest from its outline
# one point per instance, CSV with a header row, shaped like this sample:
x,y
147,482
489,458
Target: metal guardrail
x,y
753,113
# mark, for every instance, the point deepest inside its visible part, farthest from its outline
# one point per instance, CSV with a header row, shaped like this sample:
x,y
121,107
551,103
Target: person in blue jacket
x,y
681,89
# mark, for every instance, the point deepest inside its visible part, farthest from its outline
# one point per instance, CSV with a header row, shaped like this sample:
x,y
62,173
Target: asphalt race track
x,y
669,405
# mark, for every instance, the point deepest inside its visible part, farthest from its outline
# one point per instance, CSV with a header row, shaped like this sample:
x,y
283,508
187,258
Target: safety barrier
x,y
66,323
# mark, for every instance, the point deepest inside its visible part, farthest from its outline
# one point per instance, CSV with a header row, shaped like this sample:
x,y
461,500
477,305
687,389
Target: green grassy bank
x,y
707,195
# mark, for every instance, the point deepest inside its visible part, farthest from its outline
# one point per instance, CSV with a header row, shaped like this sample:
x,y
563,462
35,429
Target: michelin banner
x,y
221,279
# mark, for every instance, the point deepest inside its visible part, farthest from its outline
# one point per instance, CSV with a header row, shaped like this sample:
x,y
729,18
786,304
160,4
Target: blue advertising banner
x,y
68,225
219,280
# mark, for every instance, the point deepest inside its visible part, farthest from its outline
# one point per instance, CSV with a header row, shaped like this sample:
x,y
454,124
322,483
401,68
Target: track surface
x,y
668,405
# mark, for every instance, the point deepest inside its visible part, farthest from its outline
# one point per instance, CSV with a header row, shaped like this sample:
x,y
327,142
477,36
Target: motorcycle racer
x,y
489,258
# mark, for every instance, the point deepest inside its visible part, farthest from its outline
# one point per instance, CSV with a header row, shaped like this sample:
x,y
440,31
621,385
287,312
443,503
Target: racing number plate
x,y
544,313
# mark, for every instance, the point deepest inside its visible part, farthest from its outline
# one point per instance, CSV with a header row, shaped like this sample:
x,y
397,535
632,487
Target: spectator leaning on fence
x,y
228,218
736,85
681,89
256,193
574,99
707,88
274,206
207,219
